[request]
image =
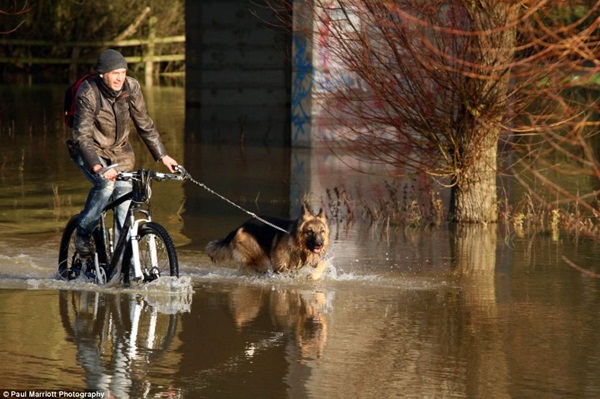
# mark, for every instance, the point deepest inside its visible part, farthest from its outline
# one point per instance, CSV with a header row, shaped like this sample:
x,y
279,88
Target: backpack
x,y
71,93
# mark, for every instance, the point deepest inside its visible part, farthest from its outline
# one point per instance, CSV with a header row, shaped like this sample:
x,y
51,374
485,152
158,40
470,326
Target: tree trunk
x,y
474,197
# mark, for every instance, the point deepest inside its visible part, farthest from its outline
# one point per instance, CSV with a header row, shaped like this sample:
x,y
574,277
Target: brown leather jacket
x,y
106,135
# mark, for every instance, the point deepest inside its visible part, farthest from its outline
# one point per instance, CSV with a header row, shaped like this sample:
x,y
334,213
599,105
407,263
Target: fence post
x,y
149,56
73,66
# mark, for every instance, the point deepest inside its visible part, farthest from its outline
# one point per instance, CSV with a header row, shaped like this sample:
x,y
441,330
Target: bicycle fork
x,y
135,246
135,249
100,272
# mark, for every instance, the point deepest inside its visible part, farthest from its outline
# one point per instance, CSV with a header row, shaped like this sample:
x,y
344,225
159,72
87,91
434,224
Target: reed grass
x,y
405,205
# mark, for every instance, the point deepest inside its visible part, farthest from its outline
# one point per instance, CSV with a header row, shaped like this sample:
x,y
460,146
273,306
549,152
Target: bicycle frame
x,y
139,195
129,233
112,250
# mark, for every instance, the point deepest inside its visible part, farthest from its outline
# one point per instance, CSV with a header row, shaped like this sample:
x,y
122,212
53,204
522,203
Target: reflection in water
x,y
474,253
299,312
474,249
120,336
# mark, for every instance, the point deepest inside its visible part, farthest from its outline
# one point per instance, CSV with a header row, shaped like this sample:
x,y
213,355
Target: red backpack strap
x,y
71,94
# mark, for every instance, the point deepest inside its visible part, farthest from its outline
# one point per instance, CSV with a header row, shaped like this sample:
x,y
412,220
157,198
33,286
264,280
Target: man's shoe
x,y
83,245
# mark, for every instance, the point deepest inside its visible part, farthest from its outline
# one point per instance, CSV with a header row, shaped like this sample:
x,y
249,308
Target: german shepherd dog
x,y
258,246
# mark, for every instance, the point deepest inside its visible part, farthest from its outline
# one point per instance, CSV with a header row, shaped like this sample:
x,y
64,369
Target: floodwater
x,y
407,313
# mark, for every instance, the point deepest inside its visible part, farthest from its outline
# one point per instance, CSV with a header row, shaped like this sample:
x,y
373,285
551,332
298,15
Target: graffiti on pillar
x,y
301,89
331,72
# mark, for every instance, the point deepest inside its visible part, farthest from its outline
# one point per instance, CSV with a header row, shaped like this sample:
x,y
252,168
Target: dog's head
x,y
314,231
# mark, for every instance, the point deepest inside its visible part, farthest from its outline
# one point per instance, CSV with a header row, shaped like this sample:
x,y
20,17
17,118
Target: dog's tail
x,y
219,251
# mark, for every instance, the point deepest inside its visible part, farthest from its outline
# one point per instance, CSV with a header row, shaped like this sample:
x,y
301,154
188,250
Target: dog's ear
x,y
305,211
321,214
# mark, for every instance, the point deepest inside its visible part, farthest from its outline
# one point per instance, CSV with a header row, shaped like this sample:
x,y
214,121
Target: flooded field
x,y
399,313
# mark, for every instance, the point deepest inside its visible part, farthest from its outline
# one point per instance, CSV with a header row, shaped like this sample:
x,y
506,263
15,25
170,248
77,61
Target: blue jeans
x,y
101,193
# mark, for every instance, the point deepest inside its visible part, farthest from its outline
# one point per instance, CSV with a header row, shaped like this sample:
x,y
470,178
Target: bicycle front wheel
x,y
158,256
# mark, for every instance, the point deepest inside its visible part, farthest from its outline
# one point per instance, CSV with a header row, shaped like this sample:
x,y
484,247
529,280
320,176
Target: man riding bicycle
x,y
100,137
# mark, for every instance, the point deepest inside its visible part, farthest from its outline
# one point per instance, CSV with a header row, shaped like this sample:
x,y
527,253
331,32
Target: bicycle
x,y
144,251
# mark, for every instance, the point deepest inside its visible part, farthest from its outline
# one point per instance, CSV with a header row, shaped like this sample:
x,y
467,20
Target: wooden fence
x,y
148,58
147,45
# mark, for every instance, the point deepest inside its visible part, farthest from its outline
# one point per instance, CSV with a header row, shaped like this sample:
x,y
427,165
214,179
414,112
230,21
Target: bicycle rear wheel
x,y
69,263
154,242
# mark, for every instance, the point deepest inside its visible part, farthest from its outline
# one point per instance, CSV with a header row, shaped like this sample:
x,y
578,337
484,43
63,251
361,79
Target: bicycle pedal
x,y
75,270
73,274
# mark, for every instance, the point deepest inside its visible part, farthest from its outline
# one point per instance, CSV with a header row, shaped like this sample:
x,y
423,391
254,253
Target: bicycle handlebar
x,y
158,176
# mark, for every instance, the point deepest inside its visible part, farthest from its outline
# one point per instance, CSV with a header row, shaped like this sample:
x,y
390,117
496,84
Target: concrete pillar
x,y
237,74
302,75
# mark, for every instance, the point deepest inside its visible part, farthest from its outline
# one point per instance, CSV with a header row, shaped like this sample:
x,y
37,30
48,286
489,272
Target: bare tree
x,y
556,121
439,84
17,8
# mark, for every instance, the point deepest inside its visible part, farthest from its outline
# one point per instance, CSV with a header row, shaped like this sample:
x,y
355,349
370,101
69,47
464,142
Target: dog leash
x,y
187,176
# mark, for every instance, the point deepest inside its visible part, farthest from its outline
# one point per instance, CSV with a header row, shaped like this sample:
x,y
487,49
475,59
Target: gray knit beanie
x,y
110,60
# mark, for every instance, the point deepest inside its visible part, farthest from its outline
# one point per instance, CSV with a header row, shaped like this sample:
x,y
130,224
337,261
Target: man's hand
x,y
169,163
110,174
